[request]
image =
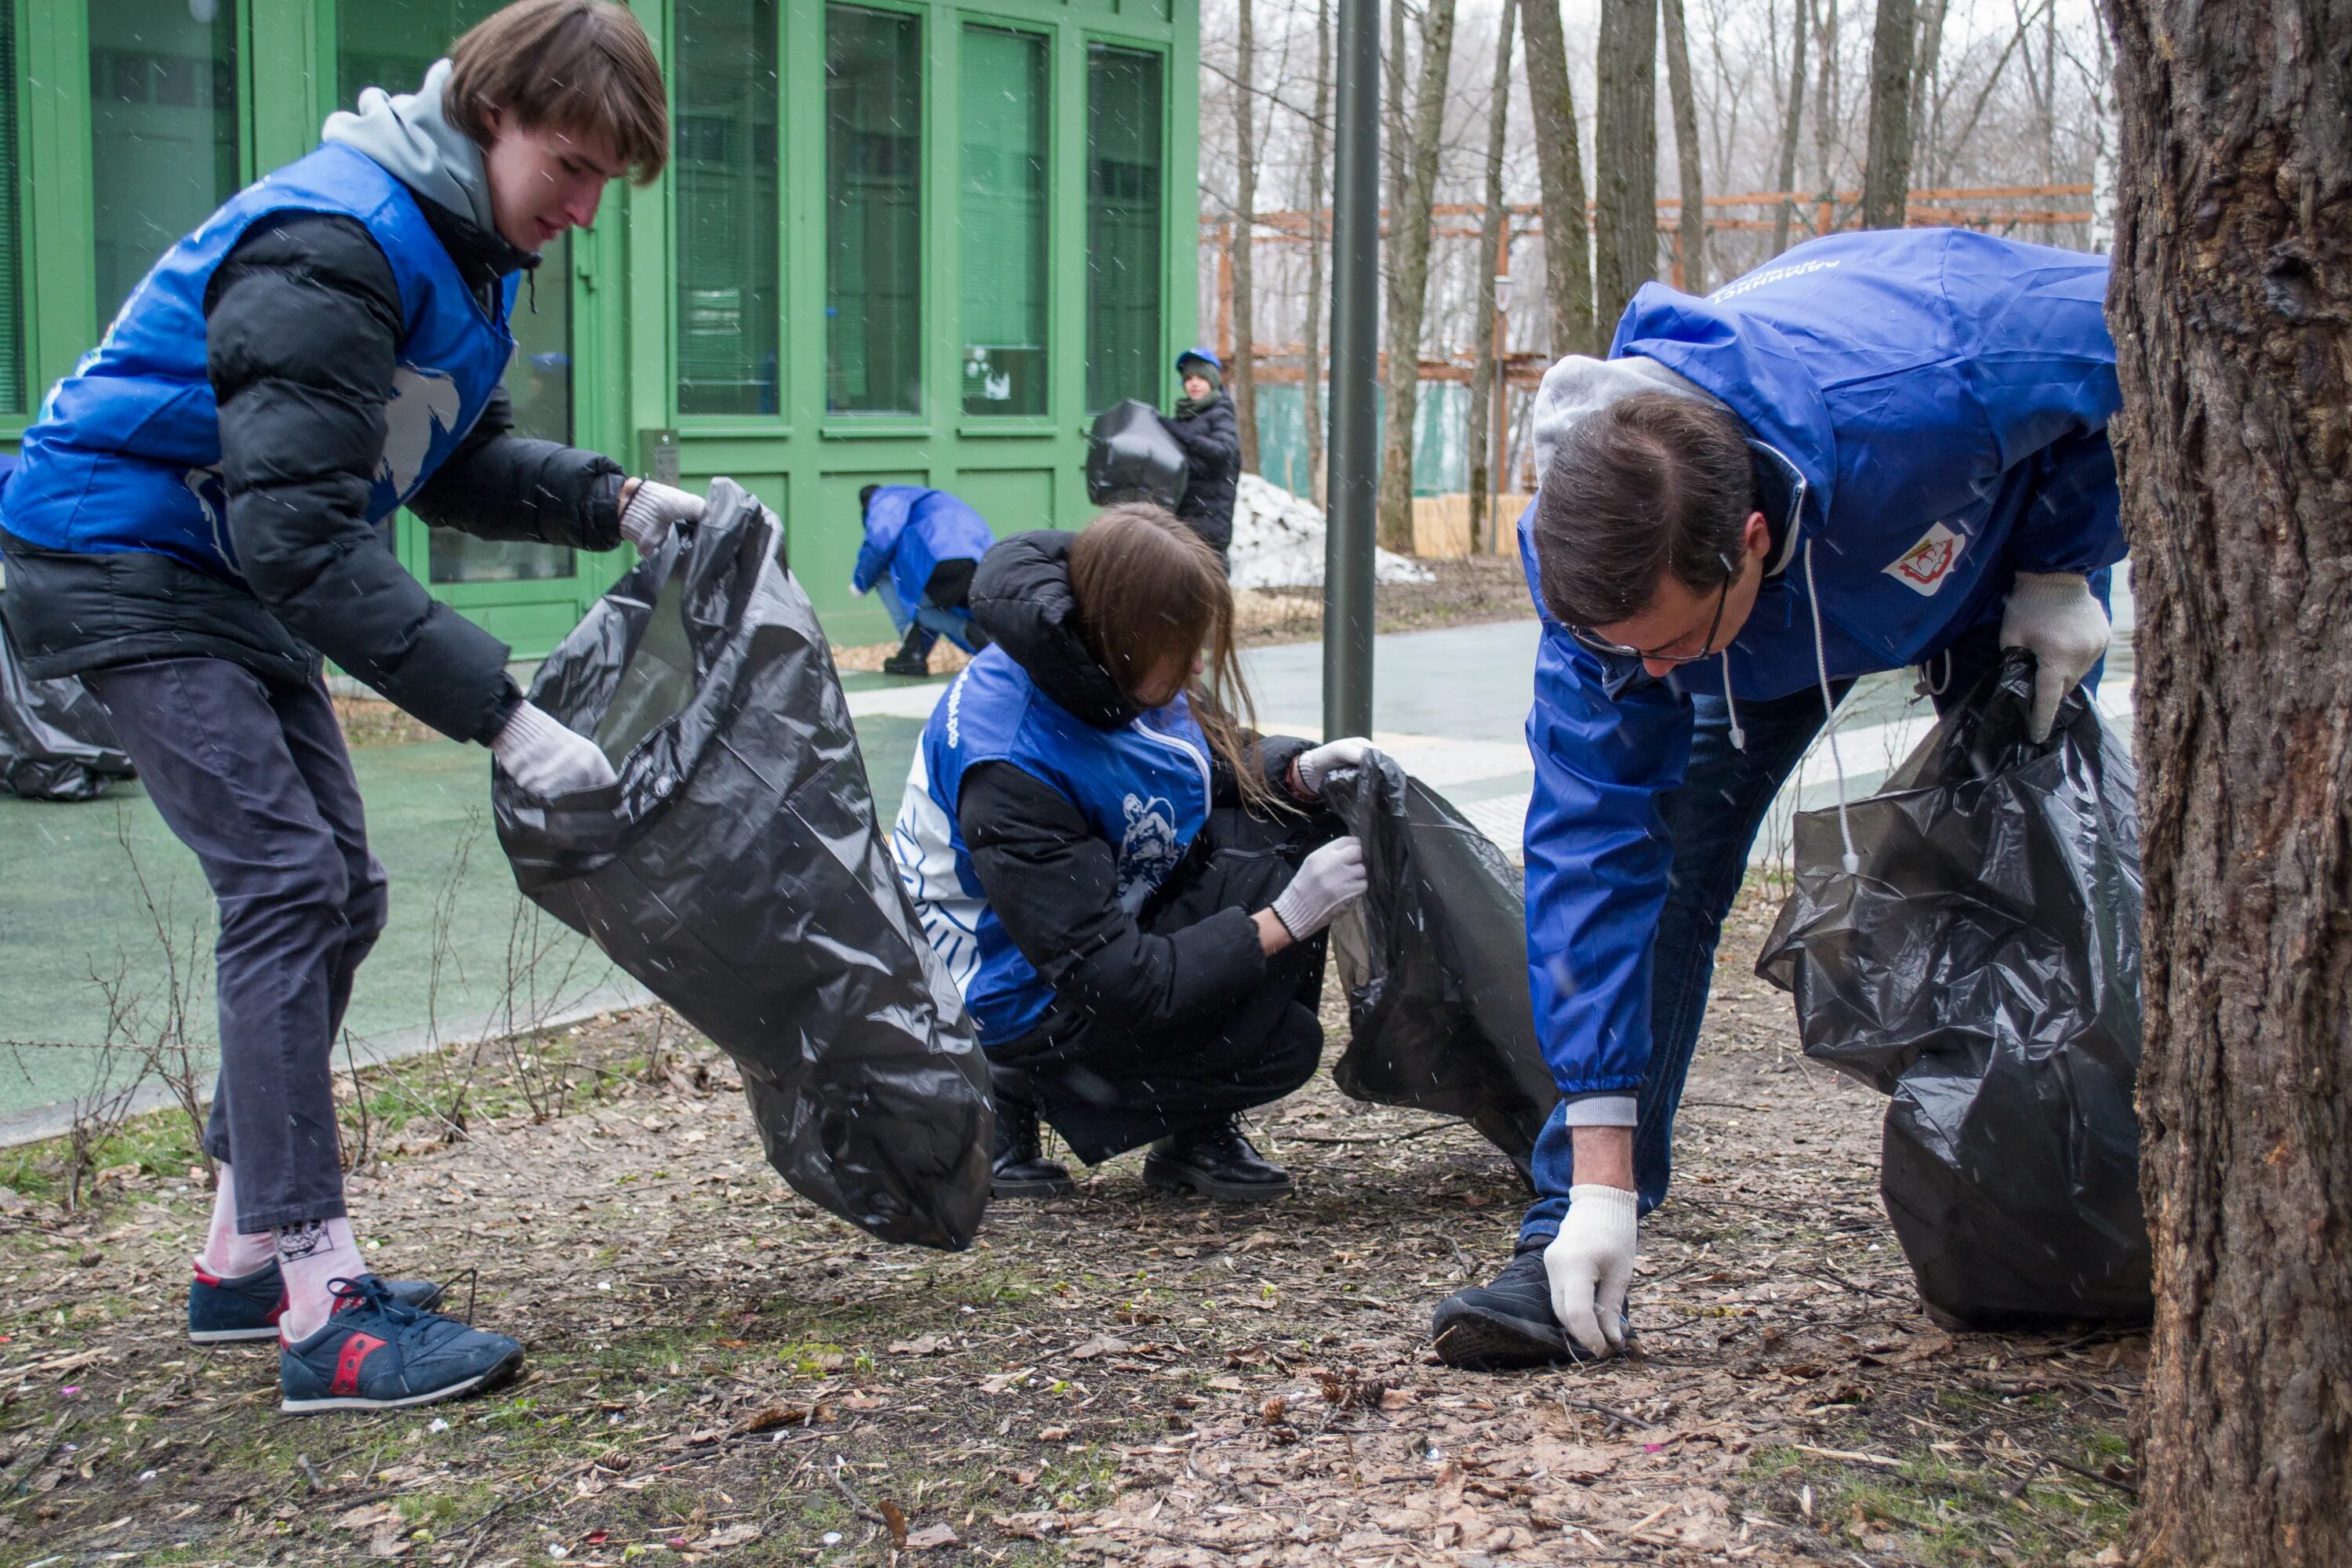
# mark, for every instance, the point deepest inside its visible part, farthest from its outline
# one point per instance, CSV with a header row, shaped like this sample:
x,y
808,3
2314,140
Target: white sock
x,y
314,1254
230,1253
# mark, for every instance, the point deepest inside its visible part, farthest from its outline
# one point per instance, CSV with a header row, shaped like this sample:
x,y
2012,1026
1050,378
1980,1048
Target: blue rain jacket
x,y
909,531
1929,409
126,453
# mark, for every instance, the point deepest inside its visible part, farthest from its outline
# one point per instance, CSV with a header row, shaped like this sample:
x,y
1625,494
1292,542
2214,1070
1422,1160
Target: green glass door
x,y
163,117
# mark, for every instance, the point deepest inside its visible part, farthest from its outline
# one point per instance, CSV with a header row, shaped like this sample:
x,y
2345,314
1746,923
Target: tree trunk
x,y
1788,129
1318,157
1559,170
1826,95
2232,306
1625,159
1241,376
1692,177
1493,232
1887,165
1410,232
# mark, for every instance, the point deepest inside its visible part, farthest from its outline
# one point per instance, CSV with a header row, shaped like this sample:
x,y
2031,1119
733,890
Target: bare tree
x,y
1625,158
2232,306
1827,86
1318,142
1692,178
1494,235
1886,166
1241,376
1788,126
1560,173
1414,192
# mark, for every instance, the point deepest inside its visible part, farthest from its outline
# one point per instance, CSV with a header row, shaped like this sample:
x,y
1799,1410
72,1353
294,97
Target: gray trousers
x,y
253,776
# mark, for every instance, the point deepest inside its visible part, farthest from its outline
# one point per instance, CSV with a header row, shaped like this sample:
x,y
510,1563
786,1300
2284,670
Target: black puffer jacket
x,y
303,319
1213,453
1051,882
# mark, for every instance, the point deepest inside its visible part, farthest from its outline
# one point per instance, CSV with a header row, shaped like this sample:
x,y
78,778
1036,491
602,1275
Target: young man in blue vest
x,y
921,549
197,519
1881,449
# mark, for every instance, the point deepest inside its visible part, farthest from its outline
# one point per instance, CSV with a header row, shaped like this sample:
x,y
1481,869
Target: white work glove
x,y
653,509
548,760
2053,616
1319,764
1590,1264
1328,880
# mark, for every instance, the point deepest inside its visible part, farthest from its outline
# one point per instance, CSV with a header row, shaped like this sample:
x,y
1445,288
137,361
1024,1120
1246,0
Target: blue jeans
x,y
1712,819
935,623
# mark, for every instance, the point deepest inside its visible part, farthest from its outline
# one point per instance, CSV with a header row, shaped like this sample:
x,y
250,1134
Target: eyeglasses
x,y
1706,649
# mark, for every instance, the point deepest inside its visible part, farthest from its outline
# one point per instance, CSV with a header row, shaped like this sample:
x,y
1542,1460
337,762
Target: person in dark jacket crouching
x,y
194,521
1127,885
1205,426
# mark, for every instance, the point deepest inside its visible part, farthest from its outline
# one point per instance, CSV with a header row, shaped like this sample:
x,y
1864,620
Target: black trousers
x,y
1107,1090
253,776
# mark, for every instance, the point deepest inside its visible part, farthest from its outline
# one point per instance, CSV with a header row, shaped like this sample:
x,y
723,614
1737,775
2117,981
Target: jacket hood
x,y
415,142
1021,597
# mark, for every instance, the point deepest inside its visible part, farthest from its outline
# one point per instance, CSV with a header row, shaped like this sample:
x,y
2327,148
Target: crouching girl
x,y
1129,887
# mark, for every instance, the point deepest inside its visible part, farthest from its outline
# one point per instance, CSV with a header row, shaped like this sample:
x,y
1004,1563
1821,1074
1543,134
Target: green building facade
x,y
898,241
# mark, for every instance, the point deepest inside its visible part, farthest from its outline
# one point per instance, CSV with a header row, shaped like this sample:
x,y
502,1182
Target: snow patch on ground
x,y
1278,542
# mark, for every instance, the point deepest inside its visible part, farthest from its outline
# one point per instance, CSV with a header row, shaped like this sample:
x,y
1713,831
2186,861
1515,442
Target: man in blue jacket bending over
x,y
921,548
1881,449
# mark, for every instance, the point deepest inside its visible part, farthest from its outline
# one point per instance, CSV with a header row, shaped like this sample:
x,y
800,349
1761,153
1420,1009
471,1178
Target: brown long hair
x,y
1151,593
580,66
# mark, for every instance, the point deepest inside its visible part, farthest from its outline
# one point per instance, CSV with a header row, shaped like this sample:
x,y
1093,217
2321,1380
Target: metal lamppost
x,y
1353,457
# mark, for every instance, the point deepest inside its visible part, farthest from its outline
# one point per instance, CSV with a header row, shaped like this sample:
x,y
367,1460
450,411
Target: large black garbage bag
x,y
56,741
736,870
1435,961
1130,455
1984,970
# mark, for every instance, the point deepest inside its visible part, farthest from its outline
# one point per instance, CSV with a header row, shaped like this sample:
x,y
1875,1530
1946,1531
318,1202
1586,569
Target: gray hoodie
x,y
410,136
1578,386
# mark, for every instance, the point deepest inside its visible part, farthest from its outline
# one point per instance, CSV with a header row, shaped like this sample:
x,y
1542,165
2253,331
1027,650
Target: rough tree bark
x,y
2231,305
1689,172
1788,129
1319,238
1241,376
1886,163
1559,174
1410,232
1828,95
1927,86
1625,159
1492,226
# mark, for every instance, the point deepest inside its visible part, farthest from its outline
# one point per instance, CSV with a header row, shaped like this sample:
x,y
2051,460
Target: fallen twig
x,y
855,1504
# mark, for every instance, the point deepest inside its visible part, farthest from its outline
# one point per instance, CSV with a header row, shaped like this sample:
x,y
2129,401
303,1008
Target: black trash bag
x,y
1435,961
1130,455
56,741
1984,970
737,871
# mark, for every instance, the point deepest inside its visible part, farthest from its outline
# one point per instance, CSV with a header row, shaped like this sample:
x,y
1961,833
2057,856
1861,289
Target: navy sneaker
x,y
222,1311
1506,1324
378,1353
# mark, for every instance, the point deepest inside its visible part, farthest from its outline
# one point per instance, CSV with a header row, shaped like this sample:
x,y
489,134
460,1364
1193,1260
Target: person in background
x,y
1205,426
921,548
193,522
1879,450
1128,887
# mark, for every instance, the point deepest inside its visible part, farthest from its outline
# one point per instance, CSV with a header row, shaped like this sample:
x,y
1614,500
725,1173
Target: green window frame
x,y
13,315
1127,168
873,211
1004,104
726,212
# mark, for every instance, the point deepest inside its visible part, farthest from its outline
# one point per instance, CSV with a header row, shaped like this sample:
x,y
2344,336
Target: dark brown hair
x,y
1151,593
580,66
1652,484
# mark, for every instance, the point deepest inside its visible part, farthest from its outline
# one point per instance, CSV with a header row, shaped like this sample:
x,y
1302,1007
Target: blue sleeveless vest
x,y
126,453
1143,789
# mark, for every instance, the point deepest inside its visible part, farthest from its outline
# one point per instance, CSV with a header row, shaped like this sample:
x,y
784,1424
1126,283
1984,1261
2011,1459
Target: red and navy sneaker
x,y
222,1311
378,1353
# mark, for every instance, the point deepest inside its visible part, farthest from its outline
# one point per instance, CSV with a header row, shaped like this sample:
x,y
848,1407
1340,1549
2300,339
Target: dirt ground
x,y
719,1373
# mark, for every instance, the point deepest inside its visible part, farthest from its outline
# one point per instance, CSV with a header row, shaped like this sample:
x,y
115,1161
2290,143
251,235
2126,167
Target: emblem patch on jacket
x,y
1148,851
423,407
1924,566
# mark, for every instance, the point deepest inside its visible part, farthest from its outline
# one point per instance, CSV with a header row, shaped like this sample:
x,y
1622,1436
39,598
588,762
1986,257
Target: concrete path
x,y
464,955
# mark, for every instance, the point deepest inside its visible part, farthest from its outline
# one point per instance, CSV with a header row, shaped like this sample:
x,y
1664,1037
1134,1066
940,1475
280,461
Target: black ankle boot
x,y
1022,1169
913,657
1216,1162
1506,1324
